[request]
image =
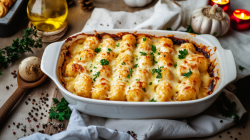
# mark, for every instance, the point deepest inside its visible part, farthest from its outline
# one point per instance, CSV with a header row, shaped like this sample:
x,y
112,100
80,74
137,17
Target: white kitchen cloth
x,y
83,126
86,127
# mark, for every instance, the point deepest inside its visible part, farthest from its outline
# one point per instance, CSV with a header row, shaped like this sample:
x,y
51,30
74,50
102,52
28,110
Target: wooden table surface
x,y
77,19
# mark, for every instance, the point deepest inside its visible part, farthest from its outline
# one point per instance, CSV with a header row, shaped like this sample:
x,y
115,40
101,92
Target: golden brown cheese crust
x,y
135,68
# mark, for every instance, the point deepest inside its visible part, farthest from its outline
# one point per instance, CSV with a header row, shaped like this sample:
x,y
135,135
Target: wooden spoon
x,y
14,98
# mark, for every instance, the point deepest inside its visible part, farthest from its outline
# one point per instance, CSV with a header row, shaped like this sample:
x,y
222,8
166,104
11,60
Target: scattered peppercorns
x,y
239,133
228,132
7,87
9,126
14,133
221,121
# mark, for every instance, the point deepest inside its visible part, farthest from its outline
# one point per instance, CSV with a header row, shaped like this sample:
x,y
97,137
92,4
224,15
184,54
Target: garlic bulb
x,y
210,20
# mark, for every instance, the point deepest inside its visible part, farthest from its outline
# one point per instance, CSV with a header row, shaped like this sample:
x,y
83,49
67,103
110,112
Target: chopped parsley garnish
x,y
130,73
127,81
104,62
241,68
80,58
135,45
95,67
158,71
129,88
175,65
137,79
144,89
96,75
182,54
90,65
158,53
90,70
150,83
109,50
123,63
97,50
118,45
164,55
144,38
61,111
131,61
153,48
136,58
143,53
153,58
152,100
187,74
136,65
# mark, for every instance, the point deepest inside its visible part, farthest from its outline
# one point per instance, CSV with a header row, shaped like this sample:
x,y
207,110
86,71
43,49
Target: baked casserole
x,y
137,67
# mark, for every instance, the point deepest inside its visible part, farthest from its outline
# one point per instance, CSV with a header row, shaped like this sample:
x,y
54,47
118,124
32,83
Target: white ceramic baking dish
x,y
52,59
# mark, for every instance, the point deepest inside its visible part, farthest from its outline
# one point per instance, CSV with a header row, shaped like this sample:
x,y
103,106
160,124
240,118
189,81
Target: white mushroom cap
x,y
30,70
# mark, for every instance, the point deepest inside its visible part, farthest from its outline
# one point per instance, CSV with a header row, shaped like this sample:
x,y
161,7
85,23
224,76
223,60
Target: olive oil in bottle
x,y
47,15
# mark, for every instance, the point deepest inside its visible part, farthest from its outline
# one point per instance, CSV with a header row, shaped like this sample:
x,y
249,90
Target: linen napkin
x,y
163,14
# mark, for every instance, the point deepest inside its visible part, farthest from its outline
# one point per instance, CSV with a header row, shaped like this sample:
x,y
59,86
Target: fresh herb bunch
x,y
61,111
19,46
229,111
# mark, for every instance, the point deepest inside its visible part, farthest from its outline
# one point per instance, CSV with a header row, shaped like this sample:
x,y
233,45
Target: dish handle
x,y
49,58
231,67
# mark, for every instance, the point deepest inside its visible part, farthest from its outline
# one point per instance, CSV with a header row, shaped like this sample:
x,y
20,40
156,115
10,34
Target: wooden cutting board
x,y
53,126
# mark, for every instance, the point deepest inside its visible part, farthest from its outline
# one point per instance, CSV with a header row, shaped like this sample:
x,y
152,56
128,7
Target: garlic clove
x,y
197,21
225,25
216,28
206,25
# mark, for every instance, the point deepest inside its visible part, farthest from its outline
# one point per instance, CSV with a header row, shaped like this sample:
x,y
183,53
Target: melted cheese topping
x,y
138,69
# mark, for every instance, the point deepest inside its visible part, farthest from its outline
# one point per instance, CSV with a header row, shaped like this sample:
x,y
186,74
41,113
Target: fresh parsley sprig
x,y
152,100
19,46
143,53
241,68
153,58
183,54
158,71
104,62
97,50
96,75
187,74
61,111
153,48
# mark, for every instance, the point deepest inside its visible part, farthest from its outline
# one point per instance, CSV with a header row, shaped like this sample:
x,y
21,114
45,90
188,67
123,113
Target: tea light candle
x,y
224,4
240,19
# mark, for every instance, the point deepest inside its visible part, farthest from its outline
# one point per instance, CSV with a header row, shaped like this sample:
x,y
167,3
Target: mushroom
x,y
30,70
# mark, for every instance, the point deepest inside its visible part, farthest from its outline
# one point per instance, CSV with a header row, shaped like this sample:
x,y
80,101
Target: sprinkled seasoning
x,y
221,121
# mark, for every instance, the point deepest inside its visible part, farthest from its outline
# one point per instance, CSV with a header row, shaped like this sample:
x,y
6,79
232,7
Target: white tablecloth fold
x,y
163,14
